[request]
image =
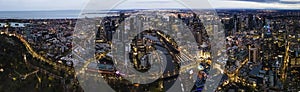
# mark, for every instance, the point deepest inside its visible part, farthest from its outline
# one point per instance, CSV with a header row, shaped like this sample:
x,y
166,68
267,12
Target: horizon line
x,y
153,9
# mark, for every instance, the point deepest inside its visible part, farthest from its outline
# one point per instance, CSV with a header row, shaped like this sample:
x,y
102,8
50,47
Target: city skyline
x,y
150,50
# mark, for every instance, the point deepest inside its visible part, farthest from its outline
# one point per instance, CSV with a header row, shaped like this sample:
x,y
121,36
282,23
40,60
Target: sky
x,y
28,5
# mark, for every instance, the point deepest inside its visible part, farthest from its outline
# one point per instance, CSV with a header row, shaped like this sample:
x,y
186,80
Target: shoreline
x,y
39,18
78,14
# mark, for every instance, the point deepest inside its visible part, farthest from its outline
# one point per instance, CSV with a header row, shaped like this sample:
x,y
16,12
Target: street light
x,y
6,26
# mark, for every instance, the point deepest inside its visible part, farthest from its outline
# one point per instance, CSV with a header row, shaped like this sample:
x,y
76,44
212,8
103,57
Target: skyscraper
x,y
253,52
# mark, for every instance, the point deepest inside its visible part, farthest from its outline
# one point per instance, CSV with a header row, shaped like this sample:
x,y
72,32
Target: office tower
x,y
101,35
179,16
253,53
235,20
122,17
250,21
132,27
198,32
171,22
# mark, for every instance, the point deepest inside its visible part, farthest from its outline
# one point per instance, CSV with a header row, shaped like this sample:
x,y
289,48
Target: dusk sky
x,y
23,5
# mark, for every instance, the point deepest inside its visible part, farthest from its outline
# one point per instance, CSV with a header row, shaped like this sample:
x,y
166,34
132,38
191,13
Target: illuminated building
x,y
253,54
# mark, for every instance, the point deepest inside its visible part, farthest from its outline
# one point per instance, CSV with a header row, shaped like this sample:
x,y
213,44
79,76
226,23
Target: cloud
x,y
273,1
252,4
152,2
8,5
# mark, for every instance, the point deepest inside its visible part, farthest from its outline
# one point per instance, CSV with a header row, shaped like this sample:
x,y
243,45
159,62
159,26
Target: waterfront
x,y
60,14
262,49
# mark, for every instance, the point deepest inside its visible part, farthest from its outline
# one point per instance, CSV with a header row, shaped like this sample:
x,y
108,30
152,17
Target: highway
x,y
56,65
234,76
285,63
180,58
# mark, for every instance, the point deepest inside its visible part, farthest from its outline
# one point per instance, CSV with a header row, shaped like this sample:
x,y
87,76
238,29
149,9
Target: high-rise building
x,y
132,27
235,21
253,54
101,35
251,21
198,32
